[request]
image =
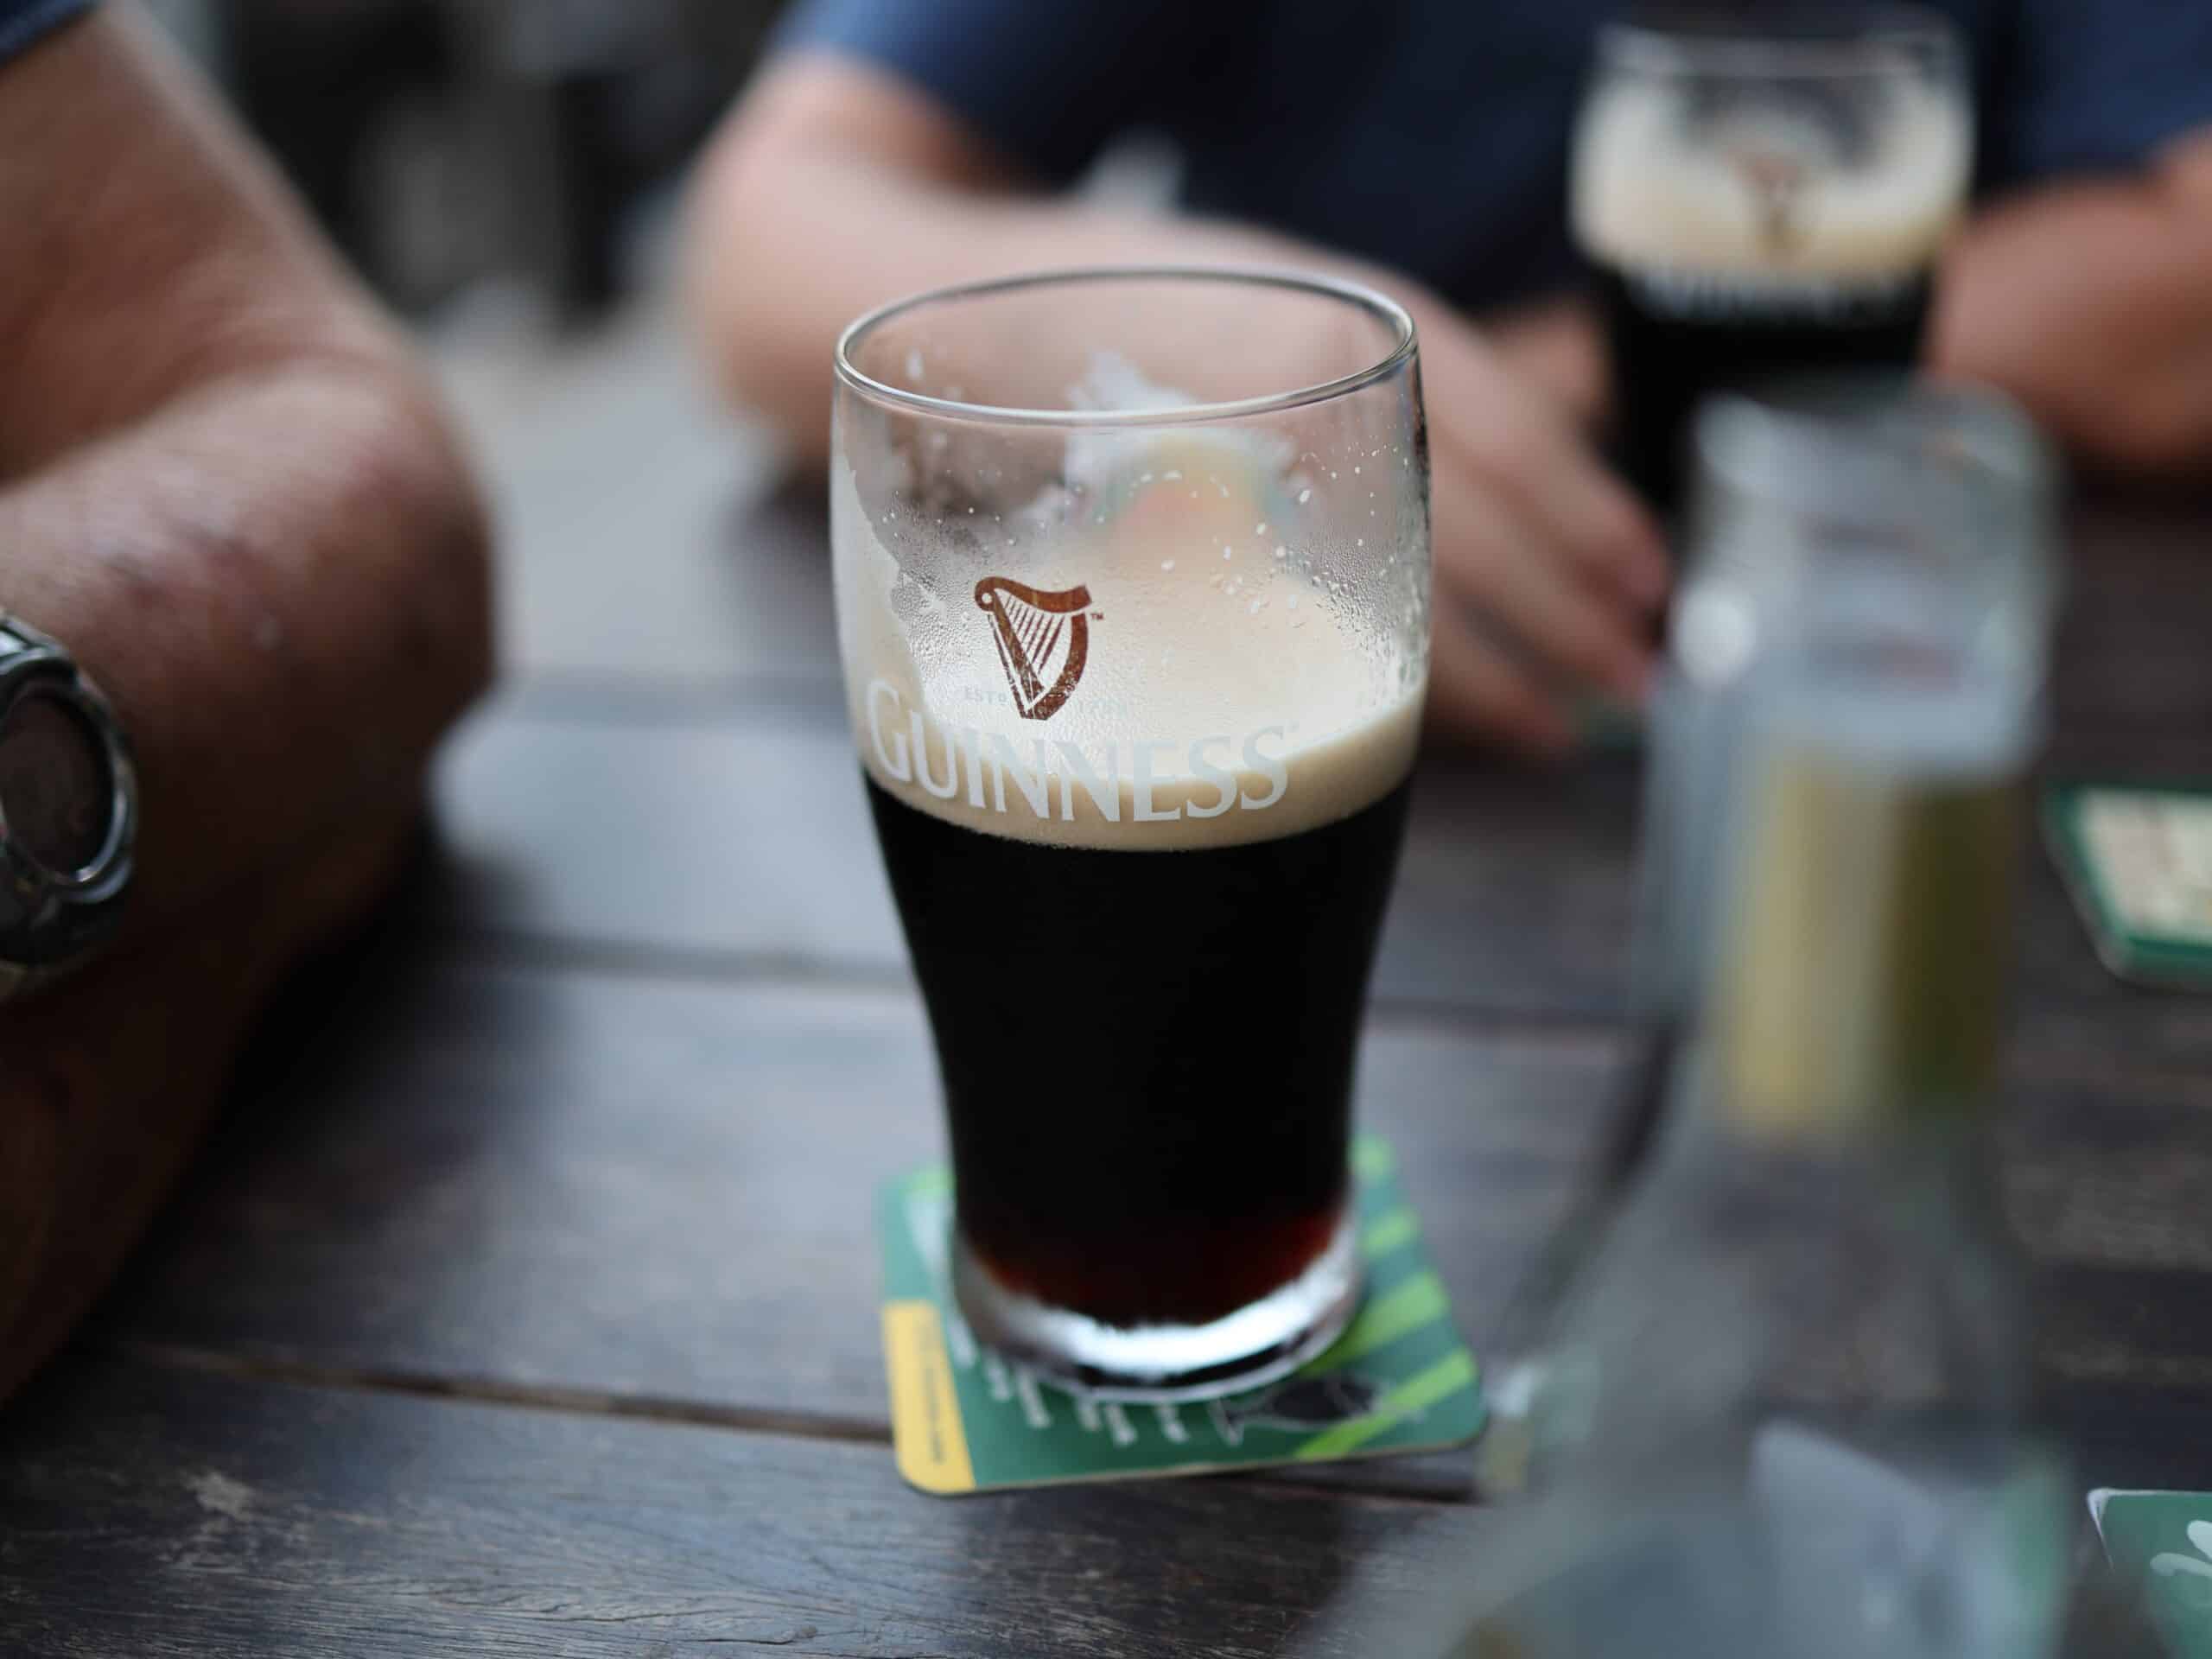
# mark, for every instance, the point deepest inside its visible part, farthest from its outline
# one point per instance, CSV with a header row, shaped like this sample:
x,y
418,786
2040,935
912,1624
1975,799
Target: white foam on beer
x,y
1647,191
1332,705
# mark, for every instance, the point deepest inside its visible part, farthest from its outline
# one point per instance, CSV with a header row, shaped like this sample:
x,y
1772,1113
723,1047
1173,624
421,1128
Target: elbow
x,y
446,526
421,534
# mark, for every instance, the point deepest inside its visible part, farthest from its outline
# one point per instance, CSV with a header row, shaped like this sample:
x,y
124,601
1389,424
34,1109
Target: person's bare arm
x,y
2091,303
835,187
224,483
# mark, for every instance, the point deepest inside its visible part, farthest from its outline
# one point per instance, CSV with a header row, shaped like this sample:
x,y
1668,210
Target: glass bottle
x,y
1782,1411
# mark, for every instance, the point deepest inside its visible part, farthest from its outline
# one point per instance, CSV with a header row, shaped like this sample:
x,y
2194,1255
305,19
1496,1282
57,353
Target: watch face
x,y
57,794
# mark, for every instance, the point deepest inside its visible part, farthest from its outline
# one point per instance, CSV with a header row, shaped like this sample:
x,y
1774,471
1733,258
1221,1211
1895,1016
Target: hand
x,y
1548,570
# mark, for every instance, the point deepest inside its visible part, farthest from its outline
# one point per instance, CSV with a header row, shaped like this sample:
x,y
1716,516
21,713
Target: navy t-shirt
x,y
22,22
1432,134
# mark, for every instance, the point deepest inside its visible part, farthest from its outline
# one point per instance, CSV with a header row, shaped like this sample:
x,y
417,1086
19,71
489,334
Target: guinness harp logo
x,y
1043,639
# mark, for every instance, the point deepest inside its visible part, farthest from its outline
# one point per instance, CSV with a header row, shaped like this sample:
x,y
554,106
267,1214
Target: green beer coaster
x,y
2138,860
962,1419
2160,1543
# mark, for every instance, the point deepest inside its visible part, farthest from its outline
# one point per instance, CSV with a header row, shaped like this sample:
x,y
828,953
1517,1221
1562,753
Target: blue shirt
x,y
1432,134
22,22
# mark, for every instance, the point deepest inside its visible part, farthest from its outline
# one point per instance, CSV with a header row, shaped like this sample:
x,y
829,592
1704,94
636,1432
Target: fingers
x,y
1490,559
1475,690
1556,346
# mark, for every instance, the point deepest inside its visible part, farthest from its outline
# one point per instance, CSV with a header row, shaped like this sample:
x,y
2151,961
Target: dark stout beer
x,y
1675,340
1147,1055
1145,960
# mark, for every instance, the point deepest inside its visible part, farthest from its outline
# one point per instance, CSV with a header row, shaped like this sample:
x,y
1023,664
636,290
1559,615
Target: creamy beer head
x,y
1185,654
1861,184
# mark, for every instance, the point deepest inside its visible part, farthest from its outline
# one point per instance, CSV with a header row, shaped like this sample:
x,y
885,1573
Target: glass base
x,y
1256,1343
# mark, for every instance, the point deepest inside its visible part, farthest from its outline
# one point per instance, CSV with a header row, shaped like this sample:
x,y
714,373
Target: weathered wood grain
x,y
721,838
157,1514
639,1188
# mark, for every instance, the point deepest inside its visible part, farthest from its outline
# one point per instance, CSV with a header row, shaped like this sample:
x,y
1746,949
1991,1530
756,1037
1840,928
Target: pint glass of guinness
x,y
1132,575
1762,202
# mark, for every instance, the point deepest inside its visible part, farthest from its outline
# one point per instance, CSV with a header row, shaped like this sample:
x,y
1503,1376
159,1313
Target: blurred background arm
x,y
2092,302
835,186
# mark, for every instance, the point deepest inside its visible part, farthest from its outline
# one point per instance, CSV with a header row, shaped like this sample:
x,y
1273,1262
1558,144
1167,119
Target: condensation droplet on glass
x,y
1253,608
1145,479
1173,478
1259,529
1355,471
1228,552
1294,601
1168,564
1282,552
1303,496
1362,542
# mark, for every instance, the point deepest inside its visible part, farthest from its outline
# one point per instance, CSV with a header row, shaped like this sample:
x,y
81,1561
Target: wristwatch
x,y
68,812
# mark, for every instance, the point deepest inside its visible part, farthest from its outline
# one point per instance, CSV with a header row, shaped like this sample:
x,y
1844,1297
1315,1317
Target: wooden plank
x,y
639,1188
628,1188
740,839
2131,647
159,1514
703,835
740,835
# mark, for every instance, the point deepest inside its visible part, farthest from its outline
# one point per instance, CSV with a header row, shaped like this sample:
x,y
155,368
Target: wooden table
x,y
525,1302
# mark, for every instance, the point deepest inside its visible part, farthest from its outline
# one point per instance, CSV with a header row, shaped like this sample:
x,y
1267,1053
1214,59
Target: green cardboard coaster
x,y
2138,860
1399,1380
2161,1545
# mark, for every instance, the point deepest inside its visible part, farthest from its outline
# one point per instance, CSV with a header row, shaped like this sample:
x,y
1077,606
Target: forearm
x,y
864,238
279,581
2091,303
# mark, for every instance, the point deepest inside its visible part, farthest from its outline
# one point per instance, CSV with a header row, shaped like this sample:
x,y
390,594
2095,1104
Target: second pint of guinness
x,y
1757,205
1135,674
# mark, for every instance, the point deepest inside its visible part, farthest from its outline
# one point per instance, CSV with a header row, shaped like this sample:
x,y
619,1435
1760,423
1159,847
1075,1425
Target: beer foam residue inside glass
x,y
1223,695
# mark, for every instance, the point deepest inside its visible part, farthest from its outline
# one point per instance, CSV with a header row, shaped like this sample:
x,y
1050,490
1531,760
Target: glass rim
x,y
1674,44
1404,347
